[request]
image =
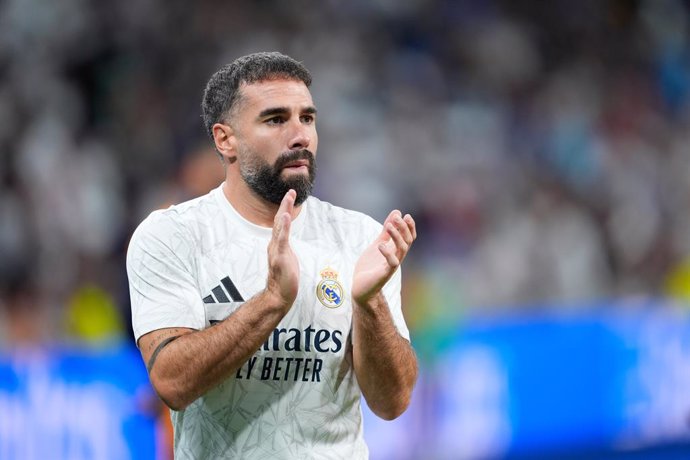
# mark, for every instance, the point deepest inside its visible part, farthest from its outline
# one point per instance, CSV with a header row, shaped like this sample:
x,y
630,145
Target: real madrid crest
x,y
329,291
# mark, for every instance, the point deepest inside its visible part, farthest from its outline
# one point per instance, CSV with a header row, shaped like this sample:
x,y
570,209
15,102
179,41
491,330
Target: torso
x,y
297,397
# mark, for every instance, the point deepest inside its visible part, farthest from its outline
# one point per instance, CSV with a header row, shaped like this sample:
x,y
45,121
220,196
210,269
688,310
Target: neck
x,y
255,209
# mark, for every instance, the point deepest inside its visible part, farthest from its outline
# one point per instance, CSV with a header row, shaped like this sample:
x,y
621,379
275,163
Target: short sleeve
x,y
162,286
392,293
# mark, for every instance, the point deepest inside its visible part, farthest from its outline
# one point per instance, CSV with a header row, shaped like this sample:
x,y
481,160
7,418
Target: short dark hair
x,y
222,89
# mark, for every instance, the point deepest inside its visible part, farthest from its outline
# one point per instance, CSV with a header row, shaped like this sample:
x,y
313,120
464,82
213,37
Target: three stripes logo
x,y
221,292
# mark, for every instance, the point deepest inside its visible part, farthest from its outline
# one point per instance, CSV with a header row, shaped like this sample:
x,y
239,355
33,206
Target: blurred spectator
x,y
543,147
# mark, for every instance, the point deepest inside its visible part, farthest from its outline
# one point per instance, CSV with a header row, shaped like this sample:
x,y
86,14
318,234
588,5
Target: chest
x,y
233,270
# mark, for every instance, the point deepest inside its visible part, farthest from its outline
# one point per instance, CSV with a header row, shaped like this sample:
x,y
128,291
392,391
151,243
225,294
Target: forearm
x,y
196,362
384,362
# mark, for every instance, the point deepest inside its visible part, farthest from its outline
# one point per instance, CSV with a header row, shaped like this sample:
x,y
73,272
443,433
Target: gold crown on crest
x,y
329,273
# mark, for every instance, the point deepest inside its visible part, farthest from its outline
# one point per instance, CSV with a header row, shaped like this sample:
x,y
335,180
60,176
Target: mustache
x,y
293,155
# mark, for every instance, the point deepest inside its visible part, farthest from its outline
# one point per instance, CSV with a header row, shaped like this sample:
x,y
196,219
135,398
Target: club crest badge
x,y
329,291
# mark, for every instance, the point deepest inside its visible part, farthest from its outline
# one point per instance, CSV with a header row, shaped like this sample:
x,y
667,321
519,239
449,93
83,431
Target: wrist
x,y
371,302
273,299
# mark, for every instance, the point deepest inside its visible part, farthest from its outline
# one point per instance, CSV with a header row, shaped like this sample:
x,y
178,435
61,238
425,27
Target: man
x,y
263,313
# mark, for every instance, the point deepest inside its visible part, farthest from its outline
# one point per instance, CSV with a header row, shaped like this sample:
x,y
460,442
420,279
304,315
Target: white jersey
x,y
192,264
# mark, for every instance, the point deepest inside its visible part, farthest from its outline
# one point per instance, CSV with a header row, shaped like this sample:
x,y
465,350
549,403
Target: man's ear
x,y
224,138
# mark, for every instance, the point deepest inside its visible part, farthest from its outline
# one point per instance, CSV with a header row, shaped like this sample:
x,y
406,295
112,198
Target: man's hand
x,y
283,266
379,261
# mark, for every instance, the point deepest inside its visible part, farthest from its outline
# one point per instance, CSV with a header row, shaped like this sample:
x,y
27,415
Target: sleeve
x,y
392,292
162,287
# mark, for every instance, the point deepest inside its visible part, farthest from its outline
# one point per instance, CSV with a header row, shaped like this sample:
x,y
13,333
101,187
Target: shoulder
x,y
323,210
176,223
346,224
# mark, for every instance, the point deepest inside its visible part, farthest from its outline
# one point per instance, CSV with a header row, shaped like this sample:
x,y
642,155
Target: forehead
x,y
259,96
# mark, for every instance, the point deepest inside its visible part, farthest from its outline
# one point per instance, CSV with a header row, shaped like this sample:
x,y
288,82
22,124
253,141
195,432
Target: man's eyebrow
x,y
273,111
283,110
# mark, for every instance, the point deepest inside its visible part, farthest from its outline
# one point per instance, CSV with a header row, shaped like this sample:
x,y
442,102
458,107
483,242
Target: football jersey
x,y
193,264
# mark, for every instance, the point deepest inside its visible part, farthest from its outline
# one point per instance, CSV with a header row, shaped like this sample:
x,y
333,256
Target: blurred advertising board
x,y
75,403
608,381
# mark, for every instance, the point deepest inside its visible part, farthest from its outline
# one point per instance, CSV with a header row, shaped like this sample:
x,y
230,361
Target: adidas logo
x,y
218,294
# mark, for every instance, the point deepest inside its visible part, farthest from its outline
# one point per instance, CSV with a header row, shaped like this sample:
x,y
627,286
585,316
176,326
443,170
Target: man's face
x,y
275,131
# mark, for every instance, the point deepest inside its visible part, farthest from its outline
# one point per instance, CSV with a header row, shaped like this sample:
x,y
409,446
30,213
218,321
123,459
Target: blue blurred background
x,y
543,148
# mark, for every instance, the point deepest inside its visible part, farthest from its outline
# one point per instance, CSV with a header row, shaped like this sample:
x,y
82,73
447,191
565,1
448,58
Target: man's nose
x,y
300,137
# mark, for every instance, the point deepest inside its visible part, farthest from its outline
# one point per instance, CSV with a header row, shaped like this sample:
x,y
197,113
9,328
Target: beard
x,y
266,180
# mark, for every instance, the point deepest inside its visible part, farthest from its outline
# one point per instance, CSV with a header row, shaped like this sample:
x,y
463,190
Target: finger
x,y
384,236
399,241
392,216
412,225
283,239
287,205
389,253
404,229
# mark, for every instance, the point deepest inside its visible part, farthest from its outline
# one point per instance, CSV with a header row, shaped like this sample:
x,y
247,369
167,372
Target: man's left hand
x,y
380,259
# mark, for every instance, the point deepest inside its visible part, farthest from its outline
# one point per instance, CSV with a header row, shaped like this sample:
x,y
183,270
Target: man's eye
x,y
275,120
307,118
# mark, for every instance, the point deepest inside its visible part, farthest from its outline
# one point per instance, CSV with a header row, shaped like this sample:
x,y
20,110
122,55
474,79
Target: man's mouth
x,y
297,164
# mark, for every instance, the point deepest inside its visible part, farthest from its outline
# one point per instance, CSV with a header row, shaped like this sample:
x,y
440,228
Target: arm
x,y
384,362
183,369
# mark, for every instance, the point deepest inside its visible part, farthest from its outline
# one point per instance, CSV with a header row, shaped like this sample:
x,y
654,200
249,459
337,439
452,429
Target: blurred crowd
x,y
543,147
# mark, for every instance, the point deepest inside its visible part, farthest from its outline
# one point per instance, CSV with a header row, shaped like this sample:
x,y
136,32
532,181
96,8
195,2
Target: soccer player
x,y
261,312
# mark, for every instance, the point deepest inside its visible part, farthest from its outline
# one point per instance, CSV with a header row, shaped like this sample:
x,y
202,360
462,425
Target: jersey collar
x,y
258,230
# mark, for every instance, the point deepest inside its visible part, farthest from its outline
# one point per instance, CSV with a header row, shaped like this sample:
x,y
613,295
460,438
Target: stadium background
x,y
543,147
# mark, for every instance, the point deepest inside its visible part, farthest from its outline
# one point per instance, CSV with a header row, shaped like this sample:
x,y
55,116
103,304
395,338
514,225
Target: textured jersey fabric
x,y
193,264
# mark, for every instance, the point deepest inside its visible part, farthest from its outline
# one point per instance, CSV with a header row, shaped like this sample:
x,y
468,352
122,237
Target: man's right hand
x,y
283,266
